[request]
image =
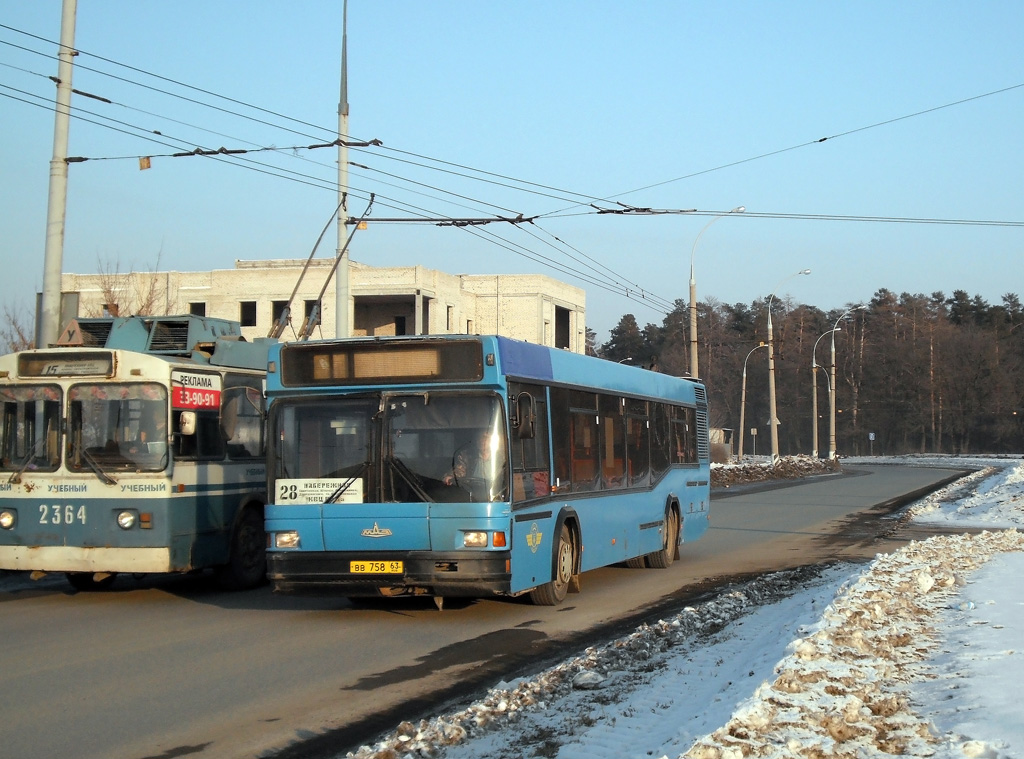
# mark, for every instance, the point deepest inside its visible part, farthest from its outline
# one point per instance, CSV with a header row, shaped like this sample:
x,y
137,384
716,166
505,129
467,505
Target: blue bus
x,y
135,446
464,465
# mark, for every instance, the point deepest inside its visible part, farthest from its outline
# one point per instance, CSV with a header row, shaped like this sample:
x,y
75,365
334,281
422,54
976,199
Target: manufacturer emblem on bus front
x,y
376,532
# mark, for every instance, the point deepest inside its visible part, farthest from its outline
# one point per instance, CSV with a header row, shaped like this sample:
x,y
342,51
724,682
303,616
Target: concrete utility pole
x,y
693,292
342,299
773,420
53,257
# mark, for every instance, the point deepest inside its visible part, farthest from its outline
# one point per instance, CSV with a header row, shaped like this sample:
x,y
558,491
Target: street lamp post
x,y
814,386
773,420
693,292
743,398
832,387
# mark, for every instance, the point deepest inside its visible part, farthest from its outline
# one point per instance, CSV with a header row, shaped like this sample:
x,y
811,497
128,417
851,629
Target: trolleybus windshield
x,y
118,427
29,432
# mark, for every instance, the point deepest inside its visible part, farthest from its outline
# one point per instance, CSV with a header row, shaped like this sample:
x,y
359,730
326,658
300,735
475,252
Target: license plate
x,y
376,567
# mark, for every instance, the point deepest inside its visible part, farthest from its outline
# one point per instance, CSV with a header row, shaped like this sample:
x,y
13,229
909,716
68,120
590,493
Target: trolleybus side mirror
x,y
255,398
525,422
187,423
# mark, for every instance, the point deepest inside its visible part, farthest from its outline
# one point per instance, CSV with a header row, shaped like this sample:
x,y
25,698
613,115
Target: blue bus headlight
x,y
474,539
126,520
286,539
8,519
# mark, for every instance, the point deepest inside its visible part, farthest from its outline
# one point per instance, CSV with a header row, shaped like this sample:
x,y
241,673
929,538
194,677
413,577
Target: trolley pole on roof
x,y
342,300
53,258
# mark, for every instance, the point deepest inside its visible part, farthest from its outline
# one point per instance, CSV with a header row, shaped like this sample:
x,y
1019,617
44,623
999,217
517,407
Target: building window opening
x,y
277,308
247,313
562,331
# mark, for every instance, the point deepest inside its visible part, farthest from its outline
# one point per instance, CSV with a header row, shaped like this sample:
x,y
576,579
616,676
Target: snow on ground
x,y
918,653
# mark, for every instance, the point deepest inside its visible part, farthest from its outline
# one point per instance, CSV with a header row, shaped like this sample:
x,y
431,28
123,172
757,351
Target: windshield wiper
x,y
406,474
95,467
343,487
15,478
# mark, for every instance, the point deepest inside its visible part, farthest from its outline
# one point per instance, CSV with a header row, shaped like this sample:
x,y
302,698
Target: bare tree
x,y
131,293
16,331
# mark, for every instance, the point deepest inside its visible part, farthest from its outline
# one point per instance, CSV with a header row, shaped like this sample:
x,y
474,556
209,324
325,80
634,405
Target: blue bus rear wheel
x,y
663,559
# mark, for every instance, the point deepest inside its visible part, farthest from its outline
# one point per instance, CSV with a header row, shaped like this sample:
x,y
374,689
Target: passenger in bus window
x,y
153,428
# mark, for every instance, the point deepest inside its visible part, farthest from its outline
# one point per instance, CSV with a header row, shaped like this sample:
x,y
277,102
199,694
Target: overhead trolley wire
x,y
555,214
616,287
808,143
288,118
560,212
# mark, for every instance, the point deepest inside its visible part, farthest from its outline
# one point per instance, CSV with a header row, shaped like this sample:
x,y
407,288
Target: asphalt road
x,y
172,667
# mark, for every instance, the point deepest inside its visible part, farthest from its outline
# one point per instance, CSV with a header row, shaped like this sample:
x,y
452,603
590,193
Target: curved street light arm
x,y
832,383
743,398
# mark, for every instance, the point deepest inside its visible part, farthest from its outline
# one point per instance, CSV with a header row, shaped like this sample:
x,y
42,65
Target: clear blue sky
x,y
589,97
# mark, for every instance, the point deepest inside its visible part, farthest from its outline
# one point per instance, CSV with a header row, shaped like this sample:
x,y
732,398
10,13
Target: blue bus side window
x,y
531,478
613,442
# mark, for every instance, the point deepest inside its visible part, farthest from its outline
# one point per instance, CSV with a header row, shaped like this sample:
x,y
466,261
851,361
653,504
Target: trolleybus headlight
x,y
287,539
474,539
126,520
7,519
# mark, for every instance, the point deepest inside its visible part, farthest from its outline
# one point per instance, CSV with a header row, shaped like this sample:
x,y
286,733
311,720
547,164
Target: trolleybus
x,y
135,446
474,465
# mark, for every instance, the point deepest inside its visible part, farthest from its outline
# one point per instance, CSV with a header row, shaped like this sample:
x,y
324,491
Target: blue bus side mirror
x,y
525,422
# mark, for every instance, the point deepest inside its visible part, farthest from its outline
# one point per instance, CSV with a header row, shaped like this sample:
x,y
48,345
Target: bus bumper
x,y
449,574
80,559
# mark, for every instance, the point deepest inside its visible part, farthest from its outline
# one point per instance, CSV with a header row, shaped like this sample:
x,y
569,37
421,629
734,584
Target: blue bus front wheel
x,y
554,592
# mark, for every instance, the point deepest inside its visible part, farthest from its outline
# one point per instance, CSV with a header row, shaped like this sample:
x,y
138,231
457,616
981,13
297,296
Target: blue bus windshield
x,y
408,447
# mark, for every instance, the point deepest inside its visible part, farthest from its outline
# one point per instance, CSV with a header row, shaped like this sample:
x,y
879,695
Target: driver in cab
x,y
473,460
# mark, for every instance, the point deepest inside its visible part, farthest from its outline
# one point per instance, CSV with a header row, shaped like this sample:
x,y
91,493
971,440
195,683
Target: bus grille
x,y
702,395
703,448
95,333
169,336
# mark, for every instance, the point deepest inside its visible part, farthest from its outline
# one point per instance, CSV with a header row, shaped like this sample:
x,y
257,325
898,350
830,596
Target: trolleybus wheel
x,y
663,559
86,581
554,592
637,562
247,564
